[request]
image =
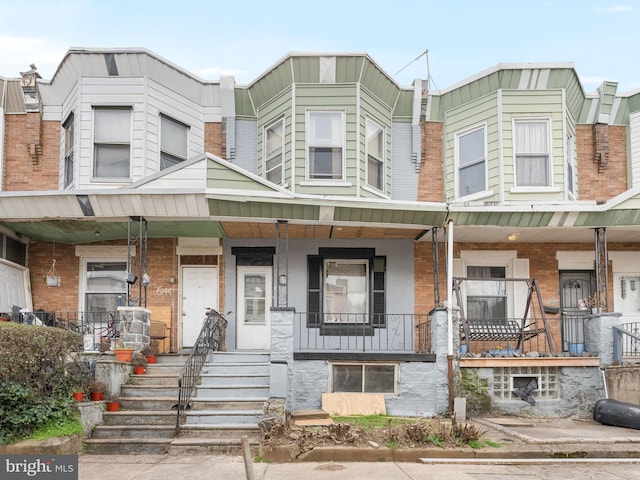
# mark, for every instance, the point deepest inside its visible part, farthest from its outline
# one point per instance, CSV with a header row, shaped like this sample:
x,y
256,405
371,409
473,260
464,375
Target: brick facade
x,y
431,177
32,153
601,181
214,139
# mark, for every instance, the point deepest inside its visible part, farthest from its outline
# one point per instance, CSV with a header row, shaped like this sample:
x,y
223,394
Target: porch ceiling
x,y
83,231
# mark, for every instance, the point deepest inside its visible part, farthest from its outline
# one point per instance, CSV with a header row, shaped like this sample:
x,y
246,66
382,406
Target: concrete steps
x,y
227,405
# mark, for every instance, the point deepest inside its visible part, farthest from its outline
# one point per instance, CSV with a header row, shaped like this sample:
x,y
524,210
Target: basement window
x,y
364,377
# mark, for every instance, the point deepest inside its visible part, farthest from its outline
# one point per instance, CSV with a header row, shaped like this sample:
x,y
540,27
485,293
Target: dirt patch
x,y
409,434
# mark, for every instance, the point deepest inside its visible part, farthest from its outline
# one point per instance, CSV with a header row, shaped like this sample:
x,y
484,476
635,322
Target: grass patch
x,y
484,442
58,428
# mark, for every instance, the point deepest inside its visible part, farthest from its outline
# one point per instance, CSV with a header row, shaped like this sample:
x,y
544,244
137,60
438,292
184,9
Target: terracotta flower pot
x,y
139,370
151,359
113,406
78,396
123,354
96,396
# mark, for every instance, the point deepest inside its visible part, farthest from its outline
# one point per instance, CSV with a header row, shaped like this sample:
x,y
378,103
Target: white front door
x,y
199,292
254,308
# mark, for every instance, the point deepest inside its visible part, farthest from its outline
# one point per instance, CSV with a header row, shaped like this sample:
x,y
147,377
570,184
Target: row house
x,y
362,232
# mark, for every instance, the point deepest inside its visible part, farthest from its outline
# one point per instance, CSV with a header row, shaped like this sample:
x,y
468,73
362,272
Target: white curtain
x,y
532,153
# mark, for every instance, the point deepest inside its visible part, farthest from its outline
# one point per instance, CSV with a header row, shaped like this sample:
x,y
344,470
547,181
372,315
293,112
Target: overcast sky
x,y
244,38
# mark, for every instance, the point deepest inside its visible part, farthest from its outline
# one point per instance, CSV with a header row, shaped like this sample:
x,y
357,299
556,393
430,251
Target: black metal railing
x,y
423,335
355,332
212,338
97,327
626,341
573,332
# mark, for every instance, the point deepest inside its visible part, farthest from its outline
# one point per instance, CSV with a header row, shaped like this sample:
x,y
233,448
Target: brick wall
x,y
214,141
612,179
431,177
543,266
32,153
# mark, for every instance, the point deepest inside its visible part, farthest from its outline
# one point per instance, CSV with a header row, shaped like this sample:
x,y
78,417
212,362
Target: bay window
x,y
173,142
472,164
375,154
532,153
112,142
274,152
325,145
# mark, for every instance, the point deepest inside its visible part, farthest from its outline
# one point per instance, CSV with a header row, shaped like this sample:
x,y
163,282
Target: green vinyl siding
x,y
534,104
482,111
271,84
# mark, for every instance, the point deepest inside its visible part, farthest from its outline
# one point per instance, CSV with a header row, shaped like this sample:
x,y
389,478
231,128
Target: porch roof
x,y
232,202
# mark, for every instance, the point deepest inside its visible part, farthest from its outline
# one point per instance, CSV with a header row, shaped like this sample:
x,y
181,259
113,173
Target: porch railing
x,y
212,338
626,341
355,332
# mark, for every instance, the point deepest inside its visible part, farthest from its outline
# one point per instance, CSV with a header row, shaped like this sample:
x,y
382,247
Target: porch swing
x,y
518,330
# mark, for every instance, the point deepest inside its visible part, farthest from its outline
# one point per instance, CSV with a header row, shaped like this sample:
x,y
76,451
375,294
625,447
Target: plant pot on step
x,y
123,354
139,370
113,406
78,396
151,359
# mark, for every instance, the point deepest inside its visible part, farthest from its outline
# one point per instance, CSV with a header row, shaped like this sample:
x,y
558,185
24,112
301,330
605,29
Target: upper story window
x,y
69,134
375,154
569,153
325,143
173,142
274,152
112,142
531,146
472,162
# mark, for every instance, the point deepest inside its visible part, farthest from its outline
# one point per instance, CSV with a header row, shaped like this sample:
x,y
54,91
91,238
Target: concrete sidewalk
x,y
547,440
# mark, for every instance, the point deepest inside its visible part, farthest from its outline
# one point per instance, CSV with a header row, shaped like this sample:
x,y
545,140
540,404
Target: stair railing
x,y
211,339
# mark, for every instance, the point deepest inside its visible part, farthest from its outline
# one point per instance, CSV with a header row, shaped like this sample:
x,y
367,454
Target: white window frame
x,y
114,140
570,163
363,365
170,152
333,143
479,161
85,261
380,161
68,160
517,154
271,155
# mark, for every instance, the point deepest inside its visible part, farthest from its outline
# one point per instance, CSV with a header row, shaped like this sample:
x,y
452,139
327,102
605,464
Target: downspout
x,y
450,313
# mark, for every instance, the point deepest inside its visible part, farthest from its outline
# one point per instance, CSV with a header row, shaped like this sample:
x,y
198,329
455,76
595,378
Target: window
x,y
112,132
69,130
346,287
375,155
105,287
364,378
274,152
531,145
486,300
472,176
569,149
325,139
173,142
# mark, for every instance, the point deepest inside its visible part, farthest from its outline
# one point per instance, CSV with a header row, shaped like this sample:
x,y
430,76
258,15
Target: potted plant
x,y
113,404
139,362
78,395
96,389
151,352
123,354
